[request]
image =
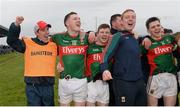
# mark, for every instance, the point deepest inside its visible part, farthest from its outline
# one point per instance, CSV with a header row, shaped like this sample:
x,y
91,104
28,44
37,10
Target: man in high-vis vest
x,y
40,59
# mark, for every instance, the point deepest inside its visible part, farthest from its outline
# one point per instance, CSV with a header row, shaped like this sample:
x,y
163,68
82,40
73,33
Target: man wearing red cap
x,y
40,57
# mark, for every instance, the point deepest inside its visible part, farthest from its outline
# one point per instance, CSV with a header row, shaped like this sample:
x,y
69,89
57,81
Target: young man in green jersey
x,y
98,90
72,47
162,80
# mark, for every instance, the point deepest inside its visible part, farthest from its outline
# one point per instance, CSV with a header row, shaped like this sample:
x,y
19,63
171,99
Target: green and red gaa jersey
x,y
93,60
160,57
72,53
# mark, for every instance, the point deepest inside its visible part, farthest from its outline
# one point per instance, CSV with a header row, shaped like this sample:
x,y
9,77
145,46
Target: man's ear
x,y
148,31
67,23
113,23
37,33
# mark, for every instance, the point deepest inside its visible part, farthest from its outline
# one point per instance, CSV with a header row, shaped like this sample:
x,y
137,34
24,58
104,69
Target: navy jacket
x,y
125,51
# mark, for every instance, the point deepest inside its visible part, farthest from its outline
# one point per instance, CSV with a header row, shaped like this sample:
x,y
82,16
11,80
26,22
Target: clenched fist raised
x,y
19,20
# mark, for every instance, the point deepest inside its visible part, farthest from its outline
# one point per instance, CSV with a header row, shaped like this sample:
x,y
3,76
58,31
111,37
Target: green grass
x,y
12,86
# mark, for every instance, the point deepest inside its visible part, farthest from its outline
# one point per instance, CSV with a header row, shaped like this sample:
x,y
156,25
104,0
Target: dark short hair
x,y
103,26
67,17
167,30
127,10
151,19
113,18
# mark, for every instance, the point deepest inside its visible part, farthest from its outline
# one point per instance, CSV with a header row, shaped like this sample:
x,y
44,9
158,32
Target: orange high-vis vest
x,y
40,60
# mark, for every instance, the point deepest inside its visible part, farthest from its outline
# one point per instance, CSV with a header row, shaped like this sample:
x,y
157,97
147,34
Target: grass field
x,y
12,86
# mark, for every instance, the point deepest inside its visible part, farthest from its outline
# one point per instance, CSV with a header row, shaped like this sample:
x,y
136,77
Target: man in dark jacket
x,y
40,59
127,77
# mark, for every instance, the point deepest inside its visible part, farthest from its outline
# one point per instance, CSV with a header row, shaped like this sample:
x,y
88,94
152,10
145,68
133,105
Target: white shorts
x,y
72,90
162,84
98,91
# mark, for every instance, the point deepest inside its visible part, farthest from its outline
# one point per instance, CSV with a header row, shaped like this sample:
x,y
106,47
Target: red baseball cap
x,y
41,25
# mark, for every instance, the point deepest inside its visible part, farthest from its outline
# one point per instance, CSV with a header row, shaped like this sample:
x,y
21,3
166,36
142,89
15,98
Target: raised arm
x,y
13,35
